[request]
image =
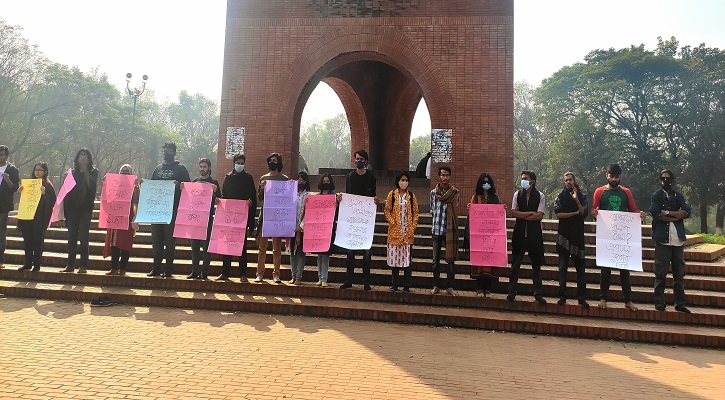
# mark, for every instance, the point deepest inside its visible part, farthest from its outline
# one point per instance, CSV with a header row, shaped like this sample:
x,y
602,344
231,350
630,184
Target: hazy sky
x,y
180,43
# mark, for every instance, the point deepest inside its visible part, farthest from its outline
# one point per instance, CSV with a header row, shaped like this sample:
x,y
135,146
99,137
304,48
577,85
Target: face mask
x,y
486,186
613,184
168,157
403,185
325,186
272,166
238,168
525,184
359,164
667,185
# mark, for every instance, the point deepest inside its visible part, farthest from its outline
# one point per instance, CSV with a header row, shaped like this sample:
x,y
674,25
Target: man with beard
x,y
443,203
570,207
669,209
197,246
614,197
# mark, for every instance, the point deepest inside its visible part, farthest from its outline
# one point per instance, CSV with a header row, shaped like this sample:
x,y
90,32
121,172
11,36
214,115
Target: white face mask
x,y
403,184
238,167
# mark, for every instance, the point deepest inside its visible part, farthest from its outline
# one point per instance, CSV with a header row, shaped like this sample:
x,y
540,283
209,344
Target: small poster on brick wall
x,y
235,142
441,146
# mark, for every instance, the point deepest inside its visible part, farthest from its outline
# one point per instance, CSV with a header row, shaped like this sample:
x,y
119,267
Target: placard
x,y
235,142
192,215
356,222
619,240
229,228
441,145
280,209
29,198
68,184
116,201
156,202
319,219
488,235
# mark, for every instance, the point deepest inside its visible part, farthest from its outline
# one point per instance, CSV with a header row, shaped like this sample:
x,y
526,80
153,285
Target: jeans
x,y
438,241
581,282
605,280
79,226
536,255
351,266
117,255
262,255
664,257
297,259
227,263
3,235
323,266
197,246
163,244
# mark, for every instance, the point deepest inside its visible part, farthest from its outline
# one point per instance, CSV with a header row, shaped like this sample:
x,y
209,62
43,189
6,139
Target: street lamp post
x,y
135,92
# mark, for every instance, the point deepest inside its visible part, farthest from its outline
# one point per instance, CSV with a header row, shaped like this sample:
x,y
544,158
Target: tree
x,y
196,119
419,147
326,144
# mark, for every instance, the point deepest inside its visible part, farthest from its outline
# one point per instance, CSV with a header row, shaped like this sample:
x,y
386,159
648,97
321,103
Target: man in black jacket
x,y
239,184
8,186
163,242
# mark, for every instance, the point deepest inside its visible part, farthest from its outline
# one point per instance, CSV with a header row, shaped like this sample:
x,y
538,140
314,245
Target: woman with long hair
x,y
485,194
401,212
34,229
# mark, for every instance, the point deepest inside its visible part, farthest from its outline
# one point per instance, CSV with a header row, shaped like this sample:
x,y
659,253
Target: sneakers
x,y
406,290
683,309
69,269
660,307
319,283
562,301
152,273
450,291
258,279
393,289
221,277
102,301
323,284
540,299
276,279
435,290
346,285
112,272
24,268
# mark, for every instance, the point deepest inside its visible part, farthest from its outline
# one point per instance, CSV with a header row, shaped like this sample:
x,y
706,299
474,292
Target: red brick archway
x,y
380,57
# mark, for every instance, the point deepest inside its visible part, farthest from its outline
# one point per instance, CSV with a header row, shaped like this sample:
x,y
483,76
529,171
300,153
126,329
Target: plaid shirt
x,y
438,211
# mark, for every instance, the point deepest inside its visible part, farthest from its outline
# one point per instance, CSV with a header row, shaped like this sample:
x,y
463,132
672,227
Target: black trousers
x,y
581,282
664,257
605,281
163,244
119,258
438,241
227,262
79,226
33,243
351,266
536,254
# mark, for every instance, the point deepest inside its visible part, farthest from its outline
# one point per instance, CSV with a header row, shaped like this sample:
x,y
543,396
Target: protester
x,y
401,212
668,209
274,162
614,197
422,167
485,194
297,256
78,207
34,230
527,206
8,186
326,186
443,204
119,242
359,182
239,185
163,242
197,246
570,207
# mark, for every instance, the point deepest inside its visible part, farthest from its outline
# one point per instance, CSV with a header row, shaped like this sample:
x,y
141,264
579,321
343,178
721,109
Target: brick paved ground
x,y
68,350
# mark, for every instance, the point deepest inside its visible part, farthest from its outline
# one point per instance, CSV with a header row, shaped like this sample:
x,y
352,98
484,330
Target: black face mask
x,y
272,166
325,186
613,184
168,157
667,185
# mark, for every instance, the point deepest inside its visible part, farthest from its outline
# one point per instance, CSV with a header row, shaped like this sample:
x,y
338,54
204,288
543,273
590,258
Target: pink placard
x,y
319,217
68,184
116,201
192,215
488,235
229,228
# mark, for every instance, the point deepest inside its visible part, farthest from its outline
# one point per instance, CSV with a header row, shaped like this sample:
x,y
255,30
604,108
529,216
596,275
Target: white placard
x,y
619,240
235,142
355,222
441,145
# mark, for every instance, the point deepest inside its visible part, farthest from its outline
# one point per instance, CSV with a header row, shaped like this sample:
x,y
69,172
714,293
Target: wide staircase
x,y
704,283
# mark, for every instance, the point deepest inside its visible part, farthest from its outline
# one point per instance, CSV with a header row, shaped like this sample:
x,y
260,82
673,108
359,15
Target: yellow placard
x,y
29,198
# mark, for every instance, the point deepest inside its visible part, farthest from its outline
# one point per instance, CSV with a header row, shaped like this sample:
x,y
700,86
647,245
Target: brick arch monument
x,y
380,57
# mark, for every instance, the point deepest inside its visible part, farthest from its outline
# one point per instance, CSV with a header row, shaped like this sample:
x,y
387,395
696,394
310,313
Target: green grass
x,y
710,238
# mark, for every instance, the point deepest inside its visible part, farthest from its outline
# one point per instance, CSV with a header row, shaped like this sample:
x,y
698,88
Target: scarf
x,y
450,198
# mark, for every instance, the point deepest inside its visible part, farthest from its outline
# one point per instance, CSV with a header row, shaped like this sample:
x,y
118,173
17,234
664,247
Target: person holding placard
x,y
78,207
528,207
326,186
401,212
668,209
570,207
485,194
197,246
34,230
297,255
614,197
163,243
8,186
239,185
360,182
274,163
119,242
443,204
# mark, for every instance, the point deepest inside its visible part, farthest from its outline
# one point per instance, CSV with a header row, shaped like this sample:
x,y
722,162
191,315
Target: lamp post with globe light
x,y
135,93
